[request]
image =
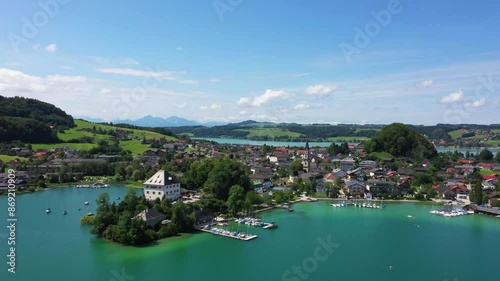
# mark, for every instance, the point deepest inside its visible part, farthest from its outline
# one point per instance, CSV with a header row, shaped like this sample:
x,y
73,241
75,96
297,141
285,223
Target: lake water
x,y
364,244
463,150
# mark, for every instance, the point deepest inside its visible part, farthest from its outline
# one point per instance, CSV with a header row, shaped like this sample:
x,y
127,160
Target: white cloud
x,y
213,80
243,112
65,79
181,106
66,67
160,75
301,106
320,90
423,84
243,101
179,49
453,97
299,74
267,97
17,81
477,103
105,91
212,106
129,61
51,48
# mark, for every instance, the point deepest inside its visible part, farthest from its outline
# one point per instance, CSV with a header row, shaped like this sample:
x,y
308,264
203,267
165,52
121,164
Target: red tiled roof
x,y
490,177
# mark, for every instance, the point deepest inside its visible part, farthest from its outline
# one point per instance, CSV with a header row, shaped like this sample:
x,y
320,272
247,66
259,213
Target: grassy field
x,y
456,134
6,158
135,146
360,130
381,155
496,131
476,137
271,132
494,142
487,173
80,124
74,133
348,139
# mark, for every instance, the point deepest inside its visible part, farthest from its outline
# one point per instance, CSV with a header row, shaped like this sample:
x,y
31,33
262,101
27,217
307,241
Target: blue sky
x,y
419,62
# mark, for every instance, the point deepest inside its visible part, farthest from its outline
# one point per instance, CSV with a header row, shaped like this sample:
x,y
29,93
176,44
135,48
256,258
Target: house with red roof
x,y
466,161
490,177
485,166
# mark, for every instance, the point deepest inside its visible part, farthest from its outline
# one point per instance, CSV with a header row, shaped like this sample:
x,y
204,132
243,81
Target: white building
x,y
162,184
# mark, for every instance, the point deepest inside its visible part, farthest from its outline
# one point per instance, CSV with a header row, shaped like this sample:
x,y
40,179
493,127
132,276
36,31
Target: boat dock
x,y
488,211
226,233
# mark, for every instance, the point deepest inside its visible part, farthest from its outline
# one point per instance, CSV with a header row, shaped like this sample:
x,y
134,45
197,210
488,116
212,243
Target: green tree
x,y
422,179
236,199
497,157
226,173
296,165
485,155
477,194
181,217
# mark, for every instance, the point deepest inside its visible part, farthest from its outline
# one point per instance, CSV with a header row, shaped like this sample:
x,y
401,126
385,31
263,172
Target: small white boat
x,y
86,203
47,211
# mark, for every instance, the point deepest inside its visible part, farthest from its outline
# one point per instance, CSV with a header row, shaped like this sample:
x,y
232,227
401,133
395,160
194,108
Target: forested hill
x,y
30,120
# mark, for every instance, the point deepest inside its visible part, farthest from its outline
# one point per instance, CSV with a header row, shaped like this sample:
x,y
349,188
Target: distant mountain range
x,y
151,121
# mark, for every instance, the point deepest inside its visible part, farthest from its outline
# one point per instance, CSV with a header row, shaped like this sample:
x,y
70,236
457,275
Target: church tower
x,y
306,161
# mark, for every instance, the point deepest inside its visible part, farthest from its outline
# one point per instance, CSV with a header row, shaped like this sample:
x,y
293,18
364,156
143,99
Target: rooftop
x,y
161,178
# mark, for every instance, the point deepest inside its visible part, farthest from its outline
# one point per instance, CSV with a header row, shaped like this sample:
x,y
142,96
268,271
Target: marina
x,y
226,233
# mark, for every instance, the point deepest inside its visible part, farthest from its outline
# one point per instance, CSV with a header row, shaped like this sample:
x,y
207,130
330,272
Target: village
x,y
326,174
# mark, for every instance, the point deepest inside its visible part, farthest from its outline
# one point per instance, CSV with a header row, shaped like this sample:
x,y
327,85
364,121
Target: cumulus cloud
x,y
51,48
301,106
477,103
320,90
243,101
263,99
423,84
457,96
13,80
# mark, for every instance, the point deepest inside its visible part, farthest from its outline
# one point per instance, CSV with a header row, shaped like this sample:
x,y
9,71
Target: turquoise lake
x,y
370,244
